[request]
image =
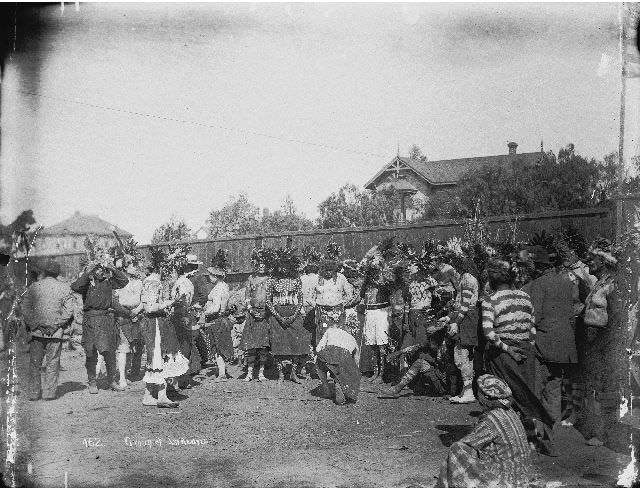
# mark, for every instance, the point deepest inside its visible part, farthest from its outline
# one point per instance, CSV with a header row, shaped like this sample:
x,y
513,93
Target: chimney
x,y
512,147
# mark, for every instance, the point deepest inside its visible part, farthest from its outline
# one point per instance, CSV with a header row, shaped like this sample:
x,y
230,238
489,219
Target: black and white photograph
x,y
319,245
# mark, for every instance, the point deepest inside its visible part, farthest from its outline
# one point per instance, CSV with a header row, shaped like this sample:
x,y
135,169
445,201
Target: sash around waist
x,y
377,306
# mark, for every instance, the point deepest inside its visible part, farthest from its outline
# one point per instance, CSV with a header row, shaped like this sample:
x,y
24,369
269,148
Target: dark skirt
x,y
99,332
168,339
343,368
326,317
255,334
131,330
417,324
468,328
521,379
220,334
288,340
182,326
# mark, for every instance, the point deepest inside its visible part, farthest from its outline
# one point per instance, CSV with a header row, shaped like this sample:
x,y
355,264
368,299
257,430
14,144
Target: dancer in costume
x,y
462,324
165,362
255,337
131,339
290,341
217,324
183,319
331,295
376,291
99,332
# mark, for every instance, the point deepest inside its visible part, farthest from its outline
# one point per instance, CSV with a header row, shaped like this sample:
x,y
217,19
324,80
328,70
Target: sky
x,y
141,112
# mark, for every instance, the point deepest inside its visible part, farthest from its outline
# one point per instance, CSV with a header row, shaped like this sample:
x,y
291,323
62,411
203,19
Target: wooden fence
x,y
356,241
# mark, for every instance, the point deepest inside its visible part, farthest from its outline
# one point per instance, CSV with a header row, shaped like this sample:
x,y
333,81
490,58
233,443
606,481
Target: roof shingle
x,y
80,224
449,171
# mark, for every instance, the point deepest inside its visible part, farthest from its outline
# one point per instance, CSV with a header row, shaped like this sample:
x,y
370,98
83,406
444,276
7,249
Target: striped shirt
x,y
508,315
467,298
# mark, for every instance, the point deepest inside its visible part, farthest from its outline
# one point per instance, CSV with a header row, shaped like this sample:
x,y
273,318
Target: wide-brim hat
x,y
215,271
193,259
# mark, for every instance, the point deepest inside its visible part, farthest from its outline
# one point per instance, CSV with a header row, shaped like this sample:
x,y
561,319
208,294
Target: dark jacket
x,y
555,298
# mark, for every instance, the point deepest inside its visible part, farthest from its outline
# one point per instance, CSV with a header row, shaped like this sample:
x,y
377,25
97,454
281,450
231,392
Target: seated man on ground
x,y
496,452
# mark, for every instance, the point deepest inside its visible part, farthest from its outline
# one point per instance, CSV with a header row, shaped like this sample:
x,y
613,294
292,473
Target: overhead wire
x,y
196,123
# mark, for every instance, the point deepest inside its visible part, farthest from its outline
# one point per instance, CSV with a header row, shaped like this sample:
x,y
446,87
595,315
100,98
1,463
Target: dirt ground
x,y
239,434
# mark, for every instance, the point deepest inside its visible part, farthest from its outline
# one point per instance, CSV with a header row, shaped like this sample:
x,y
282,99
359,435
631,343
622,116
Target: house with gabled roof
x,y
420,179
68,235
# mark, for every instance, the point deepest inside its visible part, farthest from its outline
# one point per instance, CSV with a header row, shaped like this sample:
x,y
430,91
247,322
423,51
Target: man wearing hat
x,y
218,327
556,304
201,289
47,308
183,319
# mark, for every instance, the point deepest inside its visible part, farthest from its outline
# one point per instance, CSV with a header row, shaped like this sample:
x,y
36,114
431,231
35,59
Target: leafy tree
x,y
237,217
174,230
555,183
285,219
352,207
416,153
19,231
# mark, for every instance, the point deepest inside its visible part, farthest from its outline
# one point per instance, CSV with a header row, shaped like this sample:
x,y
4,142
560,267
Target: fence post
x,y
620,355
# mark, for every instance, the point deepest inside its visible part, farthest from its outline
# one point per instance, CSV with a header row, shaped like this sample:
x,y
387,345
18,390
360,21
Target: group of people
x,y
517,332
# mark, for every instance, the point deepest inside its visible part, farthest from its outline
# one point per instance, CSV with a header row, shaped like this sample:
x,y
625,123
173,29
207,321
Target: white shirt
x,y
309,282
218,298
183,288
131,295
339,338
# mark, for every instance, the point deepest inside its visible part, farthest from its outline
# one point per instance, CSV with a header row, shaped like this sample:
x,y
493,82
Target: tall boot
x,y
261,376
136,361
280,368
149,400
467,394
90,365
110,363
222,368
122,368
250,366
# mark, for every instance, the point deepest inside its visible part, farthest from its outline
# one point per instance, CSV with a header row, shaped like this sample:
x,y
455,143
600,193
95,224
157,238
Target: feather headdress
x,y
221,260
332,250
262,255
94,253
286,262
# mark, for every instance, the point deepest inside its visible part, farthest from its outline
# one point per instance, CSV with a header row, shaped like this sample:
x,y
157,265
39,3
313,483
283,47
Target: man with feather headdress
x,y
332,293
128,306
290,341
165,362
376,291
217,325
255,336
99,334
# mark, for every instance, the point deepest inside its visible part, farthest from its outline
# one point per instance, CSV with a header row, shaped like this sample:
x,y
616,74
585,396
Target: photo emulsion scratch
x,y
319,245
